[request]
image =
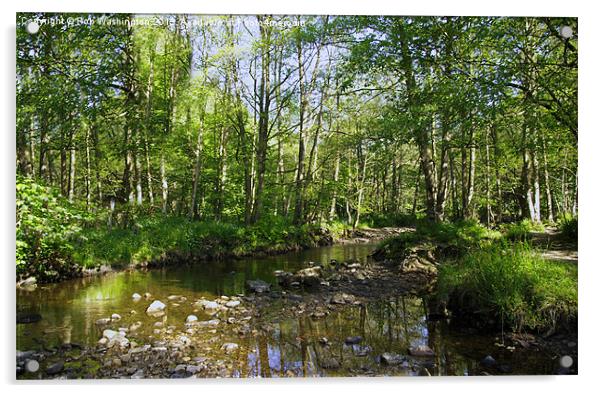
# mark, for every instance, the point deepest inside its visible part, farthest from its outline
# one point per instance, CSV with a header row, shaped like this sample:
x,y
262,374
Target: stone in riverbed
x,y
488,361
55,368
258,286
115,317
421,350
391,359
191,318
342,298
103,321
229,347
353,340
233,303
109,334
156,308
103,341
136,297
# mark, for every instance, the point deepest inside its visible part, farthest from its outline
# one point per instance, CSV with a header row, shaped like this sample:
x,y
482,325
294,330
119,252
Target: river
x,y
289,346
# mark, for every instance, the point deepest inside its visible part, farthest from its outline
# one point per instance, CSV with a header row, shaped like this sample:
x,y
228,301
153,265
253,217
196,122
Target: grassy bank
x,y
56,239
513,283
496,274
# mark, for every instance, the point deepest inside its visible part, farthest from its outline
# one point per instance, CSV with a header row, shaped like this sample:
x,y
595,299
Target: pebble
x,y
229,347
136,297
191,318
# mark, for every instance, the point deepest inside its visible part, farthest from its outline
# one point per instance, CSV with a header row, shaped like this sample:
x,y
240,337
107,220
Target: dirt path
x,y
554,247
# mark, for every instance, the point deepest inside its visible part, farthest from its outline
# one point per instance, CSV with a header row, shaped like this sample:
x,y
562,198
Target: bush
x,y
46,228
522,230
512,283
569,228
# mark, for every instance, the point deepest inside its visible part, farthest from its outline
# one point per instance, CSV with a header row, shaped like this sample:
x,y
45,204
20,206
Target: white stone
x,y
136,297
233,303
109,334
155,307
191,318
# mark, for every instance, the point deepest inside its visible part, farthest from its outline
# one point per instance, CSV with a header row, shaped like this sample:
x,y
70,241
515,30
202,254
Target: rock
x,y
136,297
103,341
139,374
23,355
211,322
147,295
342,298
421,350
103,321
323,340
229,347
391,359
55,368
117,362
158,324
193,369
258,286
209,305
115,317
184,340
176,298
488,361
233,303
29,284
135,326
309,277
363,351
353,340
156,308
109,334
329,363
191,318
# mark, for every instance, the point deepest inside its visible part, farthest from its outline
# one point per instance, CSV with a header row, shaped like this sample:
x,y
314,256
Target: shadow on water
x,y
288,347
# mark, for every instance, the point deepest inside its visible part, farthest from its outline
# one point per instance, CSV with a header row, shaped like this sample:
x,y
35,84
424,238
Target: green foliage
x,y
569,227
47,225
513,283
522,230
155,236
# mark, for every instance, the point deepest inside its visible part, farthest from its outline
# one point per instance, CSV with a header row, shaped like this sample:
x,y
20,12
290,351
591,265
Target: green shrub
x,y
569,227
522,230
46,228
512,283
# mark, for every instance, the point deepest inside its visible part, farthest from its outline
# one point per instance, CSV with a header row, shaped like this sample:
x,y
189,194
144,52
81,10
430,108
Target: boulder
x,y
308,277
229,347
156,308
191,318
55,368
258,286
488,361
29,284
109,334
421,350
342,298
391,359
